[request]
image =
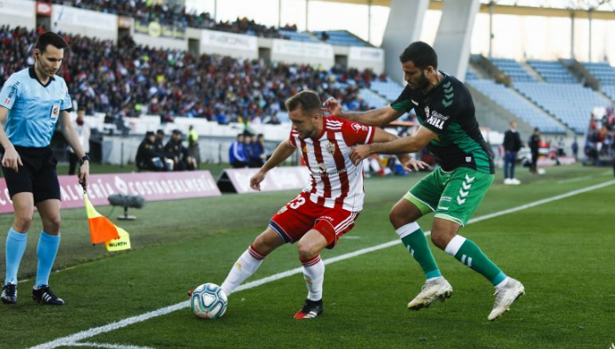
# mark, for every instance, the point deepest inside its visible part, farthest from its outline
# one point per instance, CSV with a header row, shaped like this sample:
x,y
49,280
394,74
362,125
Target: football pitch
x,y
555,233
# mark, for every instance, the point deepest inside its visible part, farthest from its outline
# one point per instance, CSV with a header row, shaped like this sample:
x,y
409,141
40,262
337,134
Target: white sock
x,y
503,283
407,229
246,265
314,275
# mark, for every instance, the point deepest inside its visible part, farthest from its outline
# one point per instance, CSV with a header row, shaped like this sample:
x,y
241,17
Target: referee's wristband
x,y
84,159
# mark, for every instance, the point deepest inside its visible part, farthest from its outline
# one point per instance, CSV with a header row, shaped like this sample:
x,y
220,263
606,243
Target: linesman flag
x,y
123,243
103,230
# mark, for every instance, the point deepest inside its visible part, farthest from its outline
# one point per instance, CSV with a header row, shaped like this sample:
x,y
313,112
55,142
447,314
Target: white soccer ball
x,y
208,301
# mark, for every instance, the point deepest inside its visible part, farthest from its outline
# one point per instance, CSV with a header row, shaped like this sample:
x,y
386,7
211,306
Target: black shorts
x,y
37,175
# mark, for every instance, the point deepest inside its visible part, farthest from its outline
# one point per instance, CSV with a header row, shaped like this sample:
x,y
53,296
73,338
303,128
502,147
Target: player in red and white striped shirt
x,y
327,207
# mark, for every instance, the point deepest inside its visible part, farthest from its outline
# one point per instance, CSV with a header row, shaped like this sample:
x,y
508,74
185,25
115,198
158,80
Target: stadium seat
x,y
516,105
570,103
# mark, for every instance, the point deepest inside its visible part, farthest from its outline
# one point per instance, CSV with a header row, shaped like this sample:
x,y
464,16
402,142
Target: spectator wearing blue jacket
x,y
257,155
236,153
248,149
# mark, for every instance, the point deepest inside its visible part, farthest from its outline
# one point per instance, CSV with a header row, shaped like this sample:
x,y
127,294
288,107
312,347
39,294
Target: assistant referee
x,y
33,100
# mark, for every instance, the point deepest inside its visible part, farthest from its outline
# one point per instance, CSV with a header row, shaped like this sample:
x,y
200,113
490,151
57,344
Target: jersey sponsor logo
x,y
330,148
326,173
326,218
55,111
323,171
436,119
7,101
13,90
435,122
358,127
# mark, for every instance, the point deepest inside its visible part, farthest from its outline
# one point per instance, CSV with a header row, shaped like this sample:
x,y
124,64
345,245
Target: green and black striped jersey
x,y
448,111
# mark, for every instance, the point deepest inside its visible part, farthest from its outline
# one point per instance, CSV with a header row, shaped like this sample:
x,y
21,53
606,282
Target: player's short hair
x,y
421,54
50,38
307,99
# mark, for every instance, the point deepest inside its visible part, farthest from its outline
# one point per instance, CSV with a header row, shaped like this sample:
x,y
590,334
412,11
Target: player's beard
x,y
422,83
308,134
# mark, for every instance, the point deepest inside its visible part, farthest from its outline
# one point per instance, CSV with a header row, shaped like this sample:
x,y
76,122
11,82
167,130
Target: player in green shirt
x,y
453,191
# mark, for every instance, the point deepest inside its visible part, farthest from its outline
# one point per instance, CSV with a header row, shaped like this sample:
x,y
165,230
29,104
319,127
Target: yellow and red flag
x,y
101,228
123,243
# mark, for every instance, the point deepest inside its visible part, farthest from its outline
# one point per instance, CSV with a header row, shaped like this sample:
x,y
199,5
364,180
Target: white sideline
x,y
107,346
74,338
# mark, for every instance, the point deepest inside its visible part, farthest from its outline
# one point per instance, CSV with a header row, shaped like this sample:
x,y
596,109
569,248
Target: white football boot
x,y
505,295
436,288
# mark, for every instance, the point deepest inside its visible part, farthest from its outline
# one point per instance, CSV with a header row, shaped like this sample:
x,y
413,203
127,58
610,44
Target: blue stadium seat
x,y
513,69
342,38
389,89
605,74
518,106
552,72
570,103
609,91
296,36
373,99
471,76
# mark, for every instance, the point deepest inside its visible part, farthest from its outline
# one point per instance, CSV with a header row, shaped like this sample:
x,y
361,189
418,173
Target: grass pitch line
x,y
542,202
577,179
73,339
107,346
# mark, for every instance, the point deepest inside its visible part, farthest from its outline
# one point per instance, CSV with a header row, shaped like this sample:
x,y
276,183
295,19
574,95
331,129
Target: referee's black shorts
x,y
37,175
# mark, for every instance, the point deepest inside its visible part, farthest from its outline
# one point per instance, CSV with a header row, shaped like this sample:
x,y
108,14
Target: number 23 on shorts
x,y
296,202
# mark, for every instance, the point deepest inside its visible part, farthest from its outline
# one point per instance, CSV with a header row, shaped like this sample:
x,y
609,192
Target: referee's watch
x,y
84,159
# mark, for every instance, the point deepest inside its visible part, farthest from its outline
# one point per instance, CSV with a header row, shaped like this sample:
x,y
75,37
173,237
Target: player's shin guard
x,y
245,266
15,247
46,251
415,242
471,255
314,275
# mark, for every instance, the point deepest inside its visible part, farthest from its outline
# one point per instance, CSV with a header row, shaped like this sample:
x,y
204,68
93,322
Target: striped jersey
x,y
335,180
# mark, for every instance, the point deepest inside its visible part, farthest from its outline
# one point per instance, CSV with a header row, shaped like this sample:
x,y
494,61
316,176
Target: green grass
x,y
562,251
215,169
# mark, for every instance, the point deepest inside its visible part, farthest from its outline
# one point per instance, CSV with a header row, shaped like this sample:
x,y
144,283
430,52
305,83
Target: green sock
x,y
470,254
415,242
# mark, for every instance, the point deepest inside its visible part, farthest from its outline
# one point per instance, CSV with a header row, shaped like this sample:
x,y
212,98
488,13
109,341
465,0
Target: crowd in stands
x,y
127,80
600,144
174,14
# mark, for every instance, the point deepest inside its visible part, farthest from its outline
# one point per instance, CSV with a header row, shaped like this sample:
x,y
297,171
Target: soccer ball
x,y
208,301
